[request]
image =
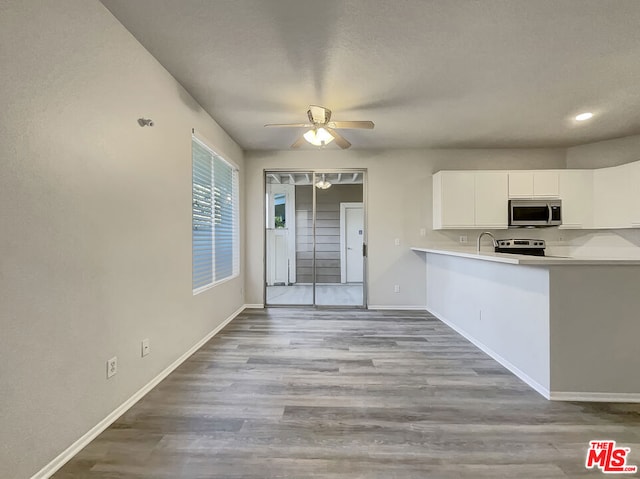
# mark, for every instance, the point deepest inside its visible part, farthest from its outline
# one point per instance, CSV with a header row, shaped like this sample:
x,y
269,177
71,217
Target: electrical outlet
x,y
396,288
112,366
397,242
146,347
463,239
423,231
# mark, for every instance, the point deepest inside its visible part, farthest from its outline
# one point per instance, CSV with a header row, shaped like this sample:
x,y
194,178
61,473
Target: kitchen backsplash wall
x,y
581,243
605,243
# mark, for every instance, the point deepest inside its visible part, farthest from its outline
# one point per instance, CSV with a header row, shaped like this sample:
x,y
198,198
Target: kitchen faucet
x,y
493,239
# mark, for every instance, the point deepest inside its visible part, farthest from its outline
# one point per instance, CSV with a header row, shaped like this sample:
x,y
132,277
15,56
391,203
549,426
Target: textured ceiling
x,y
429,73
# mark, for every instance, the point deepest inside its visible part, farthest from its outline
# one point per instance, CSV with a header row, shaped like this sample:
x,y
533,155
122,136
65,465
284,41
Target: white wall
x,y
399,197
95,218
604,153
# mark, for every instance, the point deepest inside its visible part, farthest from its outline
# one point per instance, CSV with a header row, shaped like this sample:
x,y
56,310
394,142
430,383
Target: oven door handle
x,y
550,213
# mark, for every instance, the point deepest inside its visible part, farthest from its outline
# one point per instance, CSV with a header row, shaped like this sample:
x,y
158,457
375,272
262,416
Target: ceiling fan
x,y
322,130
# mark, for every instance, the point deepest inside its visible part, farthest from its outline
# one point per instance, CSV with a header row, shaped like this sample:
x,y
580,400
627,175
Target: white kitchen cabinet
x,y
491,199
453,199
576,192
545,184
520,184
533,184
633,180
470,199
611,198
605,198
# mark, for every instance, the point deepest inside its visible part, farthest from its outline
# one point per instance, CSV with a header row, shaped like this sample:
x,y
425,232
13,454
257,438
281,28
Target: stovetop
x,y
532,247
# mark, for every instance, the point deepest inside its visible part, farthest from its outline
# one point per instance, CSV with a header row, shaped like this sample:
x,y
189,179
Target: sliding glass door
x,y
288,248
339,239
315,238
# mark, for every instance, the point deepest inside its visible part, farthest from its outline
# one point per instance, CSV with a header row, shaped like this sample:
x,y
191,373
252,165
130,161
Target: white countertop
x,y
528,260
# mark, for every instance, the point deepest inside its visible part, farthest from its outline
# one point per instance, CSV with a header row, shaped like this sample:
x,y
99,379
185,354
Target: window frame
x,y
236,235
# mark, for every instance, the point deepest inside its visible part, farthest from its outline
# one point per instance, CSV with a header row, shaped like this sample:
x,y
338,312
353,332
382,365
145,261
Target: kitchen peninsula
x,y
568,327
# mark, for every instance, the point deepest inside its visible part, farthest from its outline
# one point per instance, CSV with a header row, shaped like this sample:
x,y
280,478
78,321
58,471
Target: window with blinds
x,y
215,239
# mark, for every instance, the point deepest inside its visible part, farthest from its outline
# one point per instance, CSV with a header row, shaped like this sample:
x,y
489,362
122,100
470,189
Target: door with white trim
x,y
281,230
352,239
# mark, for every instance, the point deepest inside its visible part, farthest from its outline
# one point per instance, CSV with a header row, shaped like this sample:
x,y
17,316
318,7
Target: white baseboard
x,y
545,392
514,369
64,457
254,306
595,397
396,307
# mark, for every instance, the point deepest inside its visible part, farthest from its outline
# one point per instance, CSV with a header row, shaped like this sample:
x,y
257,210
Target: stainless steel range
x,y
533,247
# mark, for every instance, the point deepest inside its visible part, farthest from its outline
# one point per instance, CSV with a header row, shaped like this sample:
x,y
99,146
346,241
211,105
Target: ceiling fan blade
x,y
367,125
299,142
341,141
290,125
319,114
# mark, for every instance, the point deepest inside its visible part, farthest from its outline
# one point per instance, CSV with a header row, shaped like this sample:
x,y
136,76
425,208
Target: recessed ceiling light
x,y
584,116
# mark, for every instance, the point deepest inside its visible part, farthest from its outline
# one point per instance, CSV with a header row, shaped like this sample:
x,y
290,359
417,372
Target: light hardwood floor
x,y
303,393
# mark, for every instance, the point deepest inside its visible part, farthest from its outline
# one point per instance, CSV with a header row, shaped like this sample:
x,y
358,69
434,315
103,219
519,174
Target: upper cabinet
x,y
533,184
616,196
491,199
545,183
633,179
591,199
609,198
576,192
453,199
470,199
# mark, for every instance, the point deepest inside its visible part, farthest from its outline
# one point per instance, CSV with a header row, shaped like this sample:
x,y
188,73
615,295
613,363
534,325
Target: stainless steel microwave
x,y
535,212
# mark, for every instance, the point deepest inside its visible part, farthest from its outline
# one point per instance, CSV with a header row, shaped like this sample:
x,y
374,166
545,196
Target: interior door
x,y
354,234
281,241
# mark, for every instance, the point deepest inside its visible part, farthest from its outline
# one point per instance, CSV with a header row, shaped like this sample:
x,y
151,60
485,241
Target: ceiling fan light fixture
x,y
323,184
318,137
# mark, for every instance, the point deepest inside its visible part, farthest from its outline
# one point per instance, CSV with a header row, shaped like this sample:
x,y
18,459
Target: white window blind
x,y
215,214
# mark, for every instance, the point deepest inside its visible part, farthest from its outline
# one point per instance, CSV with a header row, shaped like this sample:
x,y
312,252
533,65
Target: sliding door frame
x,y
365,240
